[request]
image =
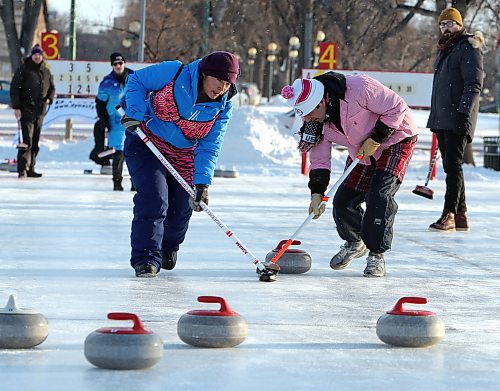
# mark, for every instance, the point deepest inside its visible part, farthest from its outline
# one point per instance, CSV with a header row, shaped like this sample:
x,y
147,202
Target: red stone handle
x,y
398,308
138,325
224,310
294,243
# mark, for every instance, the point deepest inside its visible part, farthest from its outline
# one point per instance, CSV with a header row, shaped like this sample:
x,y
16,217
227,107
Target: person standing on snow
x,y
374,122
458,80
32,90
185,115
110,92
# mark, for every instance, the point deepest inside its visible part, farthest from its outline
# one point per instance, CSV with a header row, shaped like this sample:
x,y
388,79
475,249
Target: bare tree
x,y
18,45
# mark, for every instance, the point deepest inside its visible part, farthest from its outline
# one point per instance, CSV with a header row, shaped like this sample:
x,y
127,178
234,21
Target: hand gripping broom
x,y
267,273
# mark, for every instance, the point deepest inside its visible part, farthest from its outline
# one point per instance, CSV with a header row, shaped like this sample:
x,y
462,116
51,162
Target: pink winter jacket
x,y
366,100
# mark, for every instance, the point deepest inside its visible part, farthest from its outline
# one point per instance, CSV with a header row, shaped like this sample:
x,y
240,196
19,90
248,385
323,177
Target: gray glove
x,y
200,194
129,124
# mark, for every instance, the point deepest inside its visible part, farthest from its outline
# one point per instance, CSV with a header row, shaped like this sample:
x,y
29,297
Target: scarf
x,y
446,42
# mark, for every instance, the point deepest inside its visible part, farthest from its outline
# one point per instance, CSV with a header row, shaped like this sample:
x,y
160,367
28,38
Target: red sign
x,y
327,55
50,45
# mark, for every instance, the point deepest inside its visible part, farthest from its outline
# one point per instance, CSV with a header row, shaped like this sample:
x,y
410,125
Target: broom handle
x,y
231,235
431,166
332,190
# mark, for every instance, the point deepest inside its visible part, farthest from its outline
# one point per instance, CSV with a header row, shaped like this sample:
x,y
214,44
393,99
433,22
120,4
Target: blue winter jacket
x,y
154,78
111,92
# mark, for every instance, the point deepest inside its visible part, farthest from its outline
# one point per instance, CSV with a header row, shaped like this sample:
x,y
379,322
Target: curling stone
x,y
221,328
21,328
410,328
293,260
123,347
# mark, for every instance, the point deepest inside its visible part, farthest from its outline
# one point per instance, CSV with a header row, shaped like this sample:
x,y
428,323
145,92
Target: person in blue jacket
x,y
184,110
111,90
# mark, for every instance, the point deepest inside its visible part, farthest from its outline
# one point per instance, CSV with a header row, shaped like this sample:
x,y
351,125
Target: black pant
x,y
373,226
118,166
26,158
452,148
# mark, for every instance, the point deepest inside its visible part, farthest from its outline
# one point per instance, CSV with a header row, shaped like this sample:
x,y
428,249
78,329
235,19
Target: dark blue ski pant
x,y
161,205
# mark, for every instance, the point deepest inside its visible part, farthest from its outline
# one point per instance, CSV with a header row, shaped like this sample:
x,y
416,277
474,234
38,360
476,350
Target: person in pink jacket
x,y
371,121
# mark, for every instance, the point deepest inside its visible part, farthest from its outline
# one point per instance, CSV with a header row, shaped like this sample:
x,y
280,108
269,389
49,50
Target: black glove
x,y
311,133
200,194
381,132
319,179
463,124
129,124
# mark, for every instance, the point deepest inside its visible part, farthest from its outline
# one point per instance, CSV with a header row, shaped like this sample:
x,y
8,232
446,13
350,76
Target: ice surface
x,y
64,250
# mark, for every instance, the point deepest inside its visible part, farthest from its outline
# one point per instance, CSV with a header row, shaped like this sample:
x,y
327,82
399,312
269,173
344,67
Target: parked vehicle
x,y
4,92
250,94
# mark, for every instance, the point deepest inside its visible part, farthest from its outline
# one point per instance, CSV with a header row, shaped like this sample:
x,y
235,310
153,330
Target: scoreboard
x,y
82,78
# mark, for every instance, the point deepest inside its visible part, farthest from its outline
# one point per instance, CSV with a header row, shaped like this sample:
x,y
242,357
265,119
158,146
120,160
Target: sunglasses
x,y
449,23
117,63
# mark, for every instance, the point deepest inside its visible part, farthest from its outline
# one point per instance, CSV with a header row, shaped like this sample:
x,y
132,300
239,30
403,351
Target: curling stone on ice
x,y
293,260
222,328
410,328
21,328
123,347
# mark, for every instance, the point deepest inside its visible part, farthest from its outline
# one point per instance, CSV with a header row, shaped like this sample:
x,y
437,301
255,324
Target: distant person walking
x,y
31,91
458,80
111,90
371,120
185,115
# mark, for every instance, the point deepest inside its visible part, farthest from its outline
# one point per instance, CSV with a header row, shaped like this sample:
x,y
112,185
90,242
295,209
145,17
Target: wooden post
x,y
69,130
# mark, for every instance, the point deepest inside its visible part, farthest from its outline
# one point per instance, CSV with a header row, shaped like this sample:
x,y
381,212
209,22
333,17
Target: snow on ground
x,y
64,249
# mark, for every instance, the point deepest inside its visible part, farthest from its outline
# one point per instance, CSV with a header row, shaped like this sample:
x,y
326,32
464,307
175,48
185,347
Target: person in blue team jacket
x,y
111,90
184,110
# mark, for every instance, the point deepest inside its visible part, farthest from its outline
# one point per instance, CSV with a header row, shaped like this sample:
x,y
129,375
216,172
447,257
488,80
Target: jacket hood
x,y
335,84
476,39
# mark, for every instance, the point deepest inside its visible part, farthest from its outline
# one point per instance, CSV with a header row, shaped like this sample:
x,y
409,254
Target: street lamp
x,y
272,49
293,53
134,27
320,37
252,54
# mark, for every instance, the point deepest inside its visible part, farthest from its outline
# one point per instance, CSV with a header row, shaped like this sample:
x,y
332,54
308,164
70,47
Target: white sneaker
x,y
348,252
375,265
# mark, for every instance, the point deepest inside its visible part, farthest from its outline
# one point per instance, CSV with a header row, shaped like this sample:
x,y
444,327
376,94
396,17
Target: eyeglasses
x,y
117,63
449,23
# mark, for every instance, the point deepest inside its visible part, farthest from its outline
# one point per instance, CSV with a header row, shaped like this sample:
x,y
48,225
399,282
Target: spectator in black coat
x,y
458,80
31,91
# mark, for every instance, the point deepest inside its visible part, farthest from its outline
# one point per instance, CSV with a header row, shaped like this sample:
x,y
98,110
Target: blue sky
x,y
97,11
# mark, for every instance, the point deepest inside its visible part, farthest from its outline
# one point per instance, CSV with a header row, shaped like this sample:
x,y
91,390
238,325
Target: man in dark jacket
x,y
458,80
31,91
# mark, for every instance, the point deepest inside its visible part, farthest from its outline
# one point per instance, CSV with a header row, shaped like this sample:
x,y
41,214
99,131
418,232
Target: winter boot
x,y
348,252
375,265
22,175
461,222
33,174
446,223
146,270
168,260
117,185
